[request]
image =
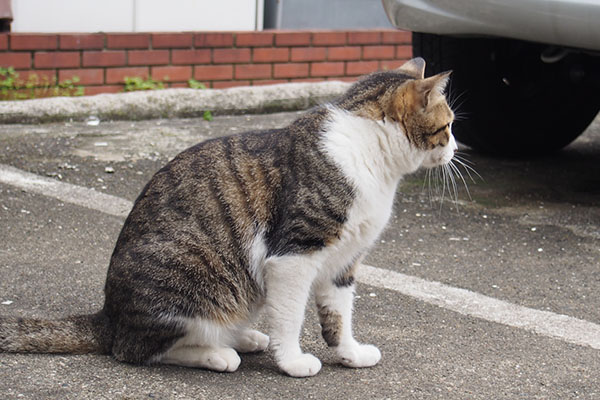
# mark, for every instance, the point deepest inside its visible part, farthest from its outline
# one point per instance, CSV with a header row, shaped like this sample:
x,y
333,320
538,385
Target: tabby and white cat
x,y
259,221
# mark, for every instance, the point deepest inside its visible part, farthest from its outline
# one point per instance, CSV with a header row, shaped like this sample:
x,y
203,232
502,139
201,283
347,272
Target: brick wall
x,y
218,59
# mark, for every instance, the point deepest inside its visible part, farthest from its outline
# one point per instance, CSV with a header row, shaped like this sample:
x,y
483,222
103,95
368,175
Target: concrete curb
x,y
172,103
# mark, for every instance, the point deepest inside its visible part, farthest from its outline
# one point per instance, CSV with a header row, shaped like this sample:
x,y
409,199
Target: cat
x,y
259,221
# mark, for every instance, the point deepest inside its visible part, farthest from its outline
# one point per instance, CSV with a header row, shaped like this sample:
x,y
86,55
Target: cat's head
x,y
416,105
420,108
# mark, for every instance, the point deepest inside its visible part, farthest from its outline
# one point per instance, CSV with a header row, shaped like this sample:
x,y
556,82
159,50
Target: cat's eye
x,y
439,130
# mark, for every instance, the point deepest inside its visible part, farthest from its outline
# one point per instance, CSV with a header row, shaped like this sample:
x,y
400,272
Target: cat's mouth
x,y
442,155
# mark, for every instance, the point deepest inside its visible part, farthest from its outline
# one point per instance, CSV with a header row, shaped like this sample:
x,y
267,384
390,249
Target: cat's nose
x,y
453,144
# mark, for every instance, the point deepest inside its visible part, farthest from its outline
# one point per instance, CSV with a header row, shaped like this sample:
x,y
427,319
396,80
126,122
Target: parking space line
x,y
477,305
66,192
463,301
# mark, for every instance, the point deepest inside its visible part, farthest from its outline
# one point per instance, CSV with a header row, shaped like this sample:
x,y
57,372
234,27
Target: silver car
x,y
526,72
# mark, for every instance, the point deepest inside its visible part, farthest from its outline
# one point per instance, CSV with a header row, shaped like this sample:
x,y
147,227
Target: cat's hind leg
x,y
206,344
334,306
222,359
250,341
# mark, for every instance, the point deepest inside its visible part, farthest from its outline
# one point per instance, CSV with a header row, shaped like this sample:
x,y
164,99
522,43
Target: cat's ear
x,y
433,87
414,67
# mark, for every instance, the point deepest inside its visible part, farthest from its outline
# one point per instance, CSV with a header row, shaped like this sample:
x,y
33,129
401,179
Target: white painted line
x,y
66,192
473,304
463,301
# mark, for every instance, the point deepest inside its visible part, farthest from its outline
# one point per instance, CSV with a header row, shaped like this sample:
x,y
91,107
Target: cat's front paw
x,y
302,366
359,355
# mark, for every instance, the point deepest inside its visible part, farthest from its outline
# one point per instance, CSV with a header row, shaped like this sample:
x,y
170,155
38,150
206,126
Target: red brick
x,y
56,59
3,41
309,54
396,37
103,58
16,60
292,38
179,85
378,52
127,41
172,40
294,70
268,82
252,71
328,38
361,67
404,52
213,40
344,53
254,39
87,76
228,84
19,41
172,73
271,54
118,75
364,37
82,41
93,90
213,72
148,57
198,56
327,69
231,56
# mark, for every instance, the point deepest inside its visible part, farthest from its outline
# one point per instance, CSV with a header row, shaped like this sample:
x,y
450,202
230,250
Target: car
x,y
526,73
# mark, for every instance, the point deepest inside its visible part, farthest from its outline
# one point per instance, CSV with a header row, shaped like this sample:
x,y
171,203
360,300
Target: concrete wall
x,y
194,15
325,14
136,15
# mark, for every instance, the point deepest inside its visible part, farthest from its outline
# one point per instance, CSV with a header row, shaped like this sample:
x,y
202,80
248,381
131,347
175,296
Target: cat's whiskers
x,y
440,184
432,193
462,155
467,165
444,179
454,104
427,183
459,174
451,174
445,184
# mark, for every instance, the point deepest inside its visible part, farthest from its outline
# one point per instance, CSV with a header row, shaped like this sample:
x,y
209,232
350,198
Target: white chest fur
x,y
374,156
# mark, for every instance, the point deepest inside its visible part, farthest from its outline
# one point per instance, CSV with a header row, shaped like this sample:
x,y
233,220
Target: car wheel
x,y
508,101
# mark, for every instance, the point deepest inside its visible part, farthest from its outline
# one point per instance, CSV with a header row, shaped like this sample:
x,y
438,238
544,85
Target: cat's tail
x,y
75,335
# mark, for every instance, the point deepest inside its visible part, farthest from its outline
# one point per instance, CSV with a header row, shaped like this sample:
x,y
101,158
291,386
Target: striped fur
x,y
257,221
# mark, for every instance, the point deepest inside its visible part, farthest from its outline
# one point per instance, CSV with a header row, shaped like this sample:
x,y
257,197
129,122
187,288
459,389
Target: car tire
x,y
507,100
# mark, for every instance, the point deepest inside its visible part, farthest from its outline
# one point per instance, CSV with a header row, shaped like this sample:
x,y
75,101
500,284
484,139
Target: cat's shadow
x,y
260,364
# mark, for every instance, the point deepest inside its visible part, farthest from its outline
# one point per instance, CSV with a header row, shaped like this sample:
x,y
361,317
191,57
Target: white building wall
x,y
136,15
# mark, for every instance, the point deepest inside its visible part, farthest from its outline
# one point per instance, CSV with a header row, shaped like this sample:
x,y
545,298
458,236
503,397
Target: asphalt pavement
x,y
492,295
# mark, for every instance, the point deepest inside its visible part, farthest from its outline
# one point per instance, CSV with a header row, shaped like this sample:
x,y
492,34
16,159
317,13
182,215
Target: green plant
x,y
137,83
207,115
13,88
8,79
194,84
67,86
